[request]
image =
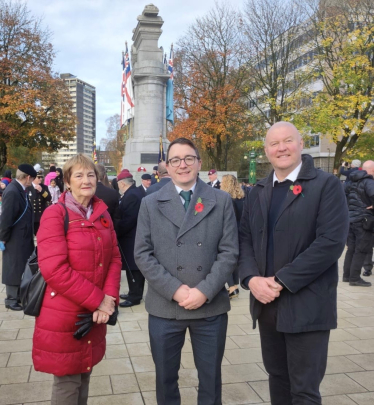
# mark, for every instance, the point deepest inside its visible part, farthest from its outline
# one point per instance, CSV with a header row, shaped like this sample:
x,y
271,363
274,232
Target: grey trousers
x,y
12,294
70,389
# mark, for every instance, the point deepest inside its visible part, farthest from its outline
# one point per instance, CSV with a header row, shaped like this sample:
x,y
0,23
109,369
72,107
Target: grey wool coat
x,y
174,247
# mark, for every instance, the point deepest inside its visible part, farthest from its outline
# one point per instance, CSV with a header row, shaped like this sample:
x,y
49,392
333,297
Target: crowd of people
x,y
194,243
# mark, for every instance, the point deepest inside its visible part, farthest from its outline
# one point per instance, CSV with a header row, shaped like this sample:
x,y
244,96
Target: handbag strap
x,y
66,219
23,213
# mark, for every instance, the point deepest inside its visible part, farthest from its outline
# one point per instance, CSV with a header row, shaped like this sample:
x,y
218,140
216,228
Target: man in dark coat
x,y
39,196
146,182
107,194
214,182
292,233
360,197
16,232
163,177
346,170
125,222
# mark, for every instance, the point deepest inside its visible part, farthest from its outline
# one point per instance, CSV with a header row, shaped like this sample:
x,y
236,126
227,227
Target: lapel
x,y
208,197
170,204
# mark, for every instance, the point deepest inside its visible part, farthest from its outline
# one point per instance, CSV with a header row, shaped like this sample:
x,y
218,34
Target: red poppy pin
x,y
104,221
199,207
297,189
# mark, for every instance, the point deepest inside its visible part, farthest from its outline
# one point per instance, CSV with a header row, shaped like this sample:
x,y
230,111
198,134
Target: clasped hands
x,y
189,298
265,289
105,309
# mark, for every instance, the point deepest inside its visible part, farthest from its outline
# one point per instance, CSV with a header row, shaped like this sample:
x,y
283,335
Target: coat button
x,y
99,238
179,268
89,342
100,264
199,244
88,368
179,244
82,223
199,268
53,294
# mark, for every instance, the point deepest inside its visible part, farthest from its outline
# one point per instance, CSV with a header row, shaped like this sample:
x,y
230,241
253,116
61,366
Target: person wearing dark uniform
x,y
154,176
16,233
39,196
125,222
146,182
107,194
214,182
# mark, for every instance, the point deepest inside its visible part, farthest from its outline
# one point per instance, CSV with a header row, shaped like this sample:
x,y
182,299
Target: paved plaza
x,y
126,375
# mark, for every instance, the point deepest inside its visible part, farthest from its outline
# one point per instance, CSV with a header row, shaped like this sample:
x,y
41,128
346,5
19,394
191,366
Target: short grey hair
x,y
20,175
356,163
128,181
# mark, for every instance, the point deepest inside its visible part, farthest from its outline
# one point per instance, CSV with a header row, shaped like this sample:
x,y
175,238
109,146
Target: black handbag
x,y
33,285
368,223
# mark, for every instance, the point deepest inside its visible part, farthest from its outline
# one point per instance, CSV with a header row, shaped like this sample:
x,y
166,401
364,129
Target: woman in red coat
x,y
82,270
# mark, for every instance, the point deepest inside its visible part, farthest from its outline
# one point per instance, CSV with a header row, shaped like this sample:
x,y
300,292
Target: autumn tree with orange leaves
x,y
208,83
35,107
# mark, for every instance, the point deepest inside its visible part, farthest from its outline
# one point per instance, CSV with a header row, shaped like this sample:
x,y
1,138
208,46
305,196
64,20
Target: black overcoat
x,y
125,222
142,192
39,200
309,237
19,238
109,196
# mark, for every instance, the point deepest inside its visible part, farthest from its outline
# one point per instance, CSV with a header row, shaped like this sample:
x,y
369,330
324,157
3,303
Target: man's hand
x,y
107,304
194,300
38,187
182,293
265,289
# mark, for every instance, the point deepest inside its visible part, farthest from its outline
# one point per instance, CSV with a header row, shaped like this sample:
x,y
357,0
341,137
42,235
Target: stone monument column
x,y
150,76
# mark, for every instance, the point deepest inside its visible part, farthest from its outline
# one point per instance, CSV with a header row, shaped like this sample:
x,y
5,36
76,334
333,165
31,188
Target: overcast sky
x,y
89,37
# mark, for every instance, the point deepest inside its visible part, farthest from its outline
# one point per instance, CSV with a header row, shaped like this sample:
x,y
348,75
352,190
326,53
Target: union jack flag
x,y
127,101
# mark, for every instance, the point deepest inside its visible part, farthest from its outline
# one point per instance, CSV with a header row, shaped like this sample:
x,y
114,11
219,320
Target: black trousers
x,y
368,262
208,338
12,294
136,281
359,244
295,362
36,227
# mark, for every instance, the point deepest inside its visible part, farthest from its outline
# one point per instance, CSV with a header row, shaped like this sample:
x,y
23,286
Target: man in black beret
x,y
154,176
146,182
16,232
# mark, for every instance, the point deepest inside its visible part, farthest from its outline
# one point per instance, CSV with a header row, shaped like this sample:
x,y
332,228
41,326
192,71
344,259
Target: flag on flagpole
x,y
127,95
161,153
94,155
170,90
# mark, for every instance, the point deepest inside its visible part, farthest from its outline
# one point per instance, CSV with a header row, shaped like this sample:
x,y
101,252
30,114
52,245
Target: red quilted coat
x,y
79,269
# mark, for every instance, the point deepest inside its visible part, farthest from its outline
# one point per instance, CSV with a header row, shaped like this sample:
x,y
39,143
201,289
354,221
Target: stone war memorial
x,y
150,77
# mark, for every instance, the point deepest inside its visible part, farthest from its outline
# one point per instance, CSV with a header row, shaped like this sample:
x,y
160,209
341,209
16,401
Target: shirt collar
x,y
292,176
181,189
24,188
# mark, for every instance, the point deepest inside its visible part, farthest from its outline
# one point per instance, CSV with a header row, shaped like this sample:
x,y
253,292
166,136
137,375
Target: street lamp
x,y
252,156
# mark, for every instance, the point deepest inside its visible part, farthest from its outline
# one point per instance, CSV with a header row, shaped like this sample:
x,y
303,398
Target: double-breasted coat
x,y
309,236
19,237
175,247
39,200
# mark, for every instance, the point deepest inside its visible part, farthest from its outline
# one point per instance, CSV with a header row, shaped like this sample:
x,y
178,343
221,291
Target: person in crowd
x,y
360,197
213,180
16,233
107,194
125,221
54,191
368,263
231,185
51,175
163,176
115,185
82,270
2,186
1,199
186,247
59,179
292,233
346,169
146,182
154,175
7,178
40,197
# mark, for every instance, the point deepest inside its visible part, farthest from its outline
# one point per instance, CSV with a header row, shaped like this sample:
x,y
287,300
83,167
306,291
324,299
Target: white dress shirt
x,y
292,176
181,189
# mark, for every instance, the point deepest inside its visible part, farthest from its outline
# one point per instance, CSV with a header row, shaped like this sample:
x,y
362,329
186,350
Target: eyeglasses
x,y
176,162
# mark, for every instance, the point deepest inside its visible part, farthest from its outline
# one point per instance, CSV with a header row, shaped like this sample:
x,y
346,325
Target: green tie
x,y
186,195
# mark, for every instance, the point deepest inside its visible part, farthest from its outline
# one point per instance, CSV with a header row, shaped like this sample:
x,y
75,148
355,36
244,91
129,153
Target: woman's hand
x,y
100,317
107,304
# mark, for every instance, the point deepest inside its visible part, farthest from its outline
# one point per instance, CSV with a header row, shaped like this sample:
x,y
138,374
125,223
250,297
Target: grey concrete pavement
x,y
126,376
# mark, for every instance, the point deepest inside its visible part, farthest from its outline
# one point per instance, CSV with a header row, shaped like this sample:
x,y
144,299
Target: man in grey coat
x,y
186,246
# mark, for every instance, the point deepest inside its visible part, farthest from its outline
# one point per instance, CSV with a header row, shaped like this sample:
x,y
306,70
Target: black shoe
x,y
345,279
14,307
360,283
124,296
128,304
234,294
367,273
